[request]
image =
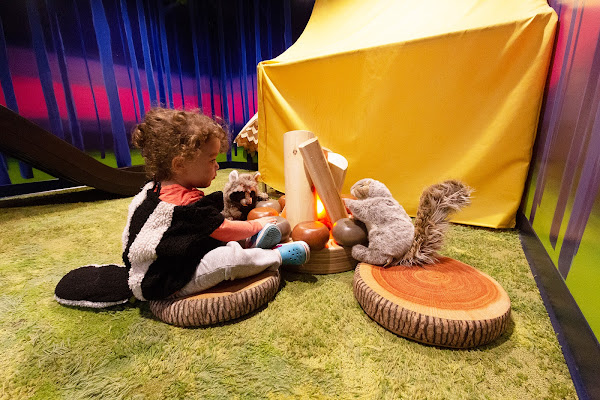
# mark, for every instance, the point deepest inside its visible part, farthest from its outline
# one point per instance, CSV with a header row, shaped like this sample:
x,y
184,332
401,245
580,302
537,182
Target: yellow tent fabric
x,y
416,92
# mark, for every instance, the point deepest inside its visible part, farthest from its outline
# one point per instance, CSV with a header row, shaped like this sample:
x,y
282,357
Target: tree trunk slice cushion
x,y
449,304
330,260
226,301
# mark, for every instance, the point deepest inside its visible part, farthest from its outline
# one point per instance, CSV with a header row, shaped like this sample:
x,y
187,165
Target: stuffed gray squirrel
x,y
393,238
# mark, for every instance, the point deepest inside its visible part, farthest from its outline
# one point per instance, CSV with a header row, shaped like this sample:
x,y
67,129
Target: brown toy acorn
x,y
262,212
349,232
269,203
284,228
314,233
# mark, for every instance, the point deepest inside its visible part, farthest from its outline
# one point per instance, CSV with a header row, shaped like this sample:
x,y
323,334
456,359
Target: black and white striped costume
x,y
168,248
163,243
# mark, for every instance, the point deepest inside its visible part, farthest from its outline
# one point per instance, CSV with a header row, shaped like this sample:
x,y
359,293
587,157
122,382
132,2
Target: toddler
x,y
174,239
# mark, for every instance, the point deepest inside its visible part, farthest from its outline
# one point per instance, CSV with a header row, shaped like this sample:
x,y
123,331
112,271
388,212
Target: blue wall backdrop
x,y
87,71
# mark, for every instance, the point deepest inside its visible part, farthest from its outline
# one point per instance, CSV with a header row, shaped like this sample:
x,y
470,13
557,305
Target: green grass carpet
x,y
312,341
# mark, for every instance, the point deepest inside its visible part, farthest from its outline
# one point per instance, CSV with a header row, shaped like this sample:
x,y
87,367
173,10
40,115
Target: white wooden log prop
x,y
299,198
449,303
226,301
318,168
338,165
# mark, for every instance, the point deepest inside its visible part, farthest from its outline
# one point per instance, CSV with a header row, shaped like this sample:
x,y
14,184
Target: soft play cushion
x,y
226,301
95,286
449,303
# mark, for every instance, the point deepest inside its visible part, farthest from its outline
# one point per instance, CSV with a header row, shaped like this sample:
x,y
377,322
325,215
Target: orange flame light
x,y
320,207
321,212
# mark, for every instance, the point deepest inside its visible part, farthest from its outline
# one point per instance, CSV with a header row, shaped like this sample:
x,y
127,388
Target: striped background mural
x,y
562,199
87,71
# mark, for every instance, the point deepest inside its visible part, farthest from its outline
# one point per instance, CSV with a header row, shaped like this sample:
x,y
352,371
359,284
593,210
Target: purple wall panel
x,y
561,202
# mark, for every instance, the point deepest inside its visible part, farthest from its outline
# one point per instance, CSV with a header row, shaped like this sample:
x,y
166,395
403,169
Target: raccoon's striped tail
x,y
437,203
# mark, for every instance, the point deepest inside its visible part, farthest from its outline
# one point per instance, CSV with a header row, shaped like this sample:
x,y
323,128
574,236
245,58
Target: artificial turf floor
x,y
312,341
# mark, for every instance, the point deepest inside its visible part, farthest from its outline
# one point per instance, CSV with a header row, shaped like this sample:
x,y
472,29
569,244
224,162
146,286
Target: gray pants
x,y
228,263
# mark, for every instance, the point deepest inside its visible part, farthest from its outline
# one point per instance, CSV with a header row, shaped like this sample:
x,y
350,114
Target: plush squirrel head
x,y
242,188
366,188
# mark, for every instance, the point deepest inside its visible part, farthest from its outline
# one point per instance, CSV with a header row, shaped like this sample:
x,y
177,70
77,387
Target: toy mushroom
x,y
314,233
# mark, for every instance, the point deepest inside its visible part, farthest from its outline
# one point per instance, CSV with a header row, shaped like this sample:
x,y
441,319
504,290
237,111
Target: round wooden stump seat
x,y
226,301
448,304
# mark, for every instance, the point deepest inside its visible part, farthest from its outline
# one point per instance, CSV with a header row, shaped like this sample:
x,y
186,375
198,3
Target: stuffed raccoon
x,y
240,195
393,238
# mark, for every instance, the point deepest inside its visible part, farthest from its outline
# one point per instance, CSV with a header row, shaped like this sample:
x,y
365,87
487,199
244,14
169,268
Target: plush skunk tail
x,y
437,203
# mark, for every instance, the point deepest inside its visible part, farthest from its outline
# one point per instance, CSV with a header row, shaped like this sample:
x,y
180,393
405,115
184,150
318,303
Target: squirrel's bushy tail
x,y
437,203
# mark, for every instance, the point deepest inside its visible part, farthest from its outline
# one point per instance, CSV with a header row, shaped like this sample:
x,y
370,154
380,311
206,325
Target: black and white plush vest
x,y
164,243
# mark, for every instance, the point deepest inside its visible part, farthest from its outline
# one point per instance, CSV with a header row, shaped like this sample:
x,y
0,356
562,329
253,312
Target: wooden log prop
x,y
338,165
299,197
448,304
226,301
321,176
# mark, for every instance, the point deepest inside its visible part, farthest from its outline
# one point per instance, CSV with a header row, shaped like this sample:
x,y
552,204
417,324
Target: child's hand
x,y
266,220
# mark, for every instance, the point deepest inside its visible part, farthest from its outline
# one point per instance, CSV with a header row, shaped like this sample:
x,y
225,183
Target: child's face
x,y
200,170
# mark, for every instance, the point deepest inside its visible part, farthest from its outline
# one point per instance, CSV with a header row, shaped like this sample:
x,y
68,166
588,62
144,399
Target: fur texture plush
x,y
393,238
241,194
163,243
94,286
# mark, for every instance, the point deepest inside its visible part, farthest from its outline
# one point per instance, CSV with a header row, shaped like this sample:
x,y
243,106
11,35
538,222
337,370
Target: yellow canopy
x,y
415,92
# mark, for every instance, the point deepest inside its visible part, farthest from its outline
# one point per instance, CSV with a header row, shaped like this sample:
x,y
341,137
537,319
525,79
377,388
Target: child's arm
x,y
238,230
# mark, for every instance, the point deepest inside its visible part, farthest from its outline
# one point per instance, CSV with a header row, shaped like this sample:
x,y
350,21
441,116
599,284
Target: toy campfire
x,y
313,204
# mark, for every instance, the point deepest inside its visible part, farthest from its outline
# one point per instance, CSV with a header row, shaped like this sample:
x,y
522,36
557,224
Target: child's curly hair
x,y
166,133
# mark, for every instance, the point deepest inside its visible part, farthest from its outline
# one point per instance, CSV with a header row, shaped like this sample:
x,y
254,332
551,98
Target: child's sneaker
x,y
295,253
266,238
